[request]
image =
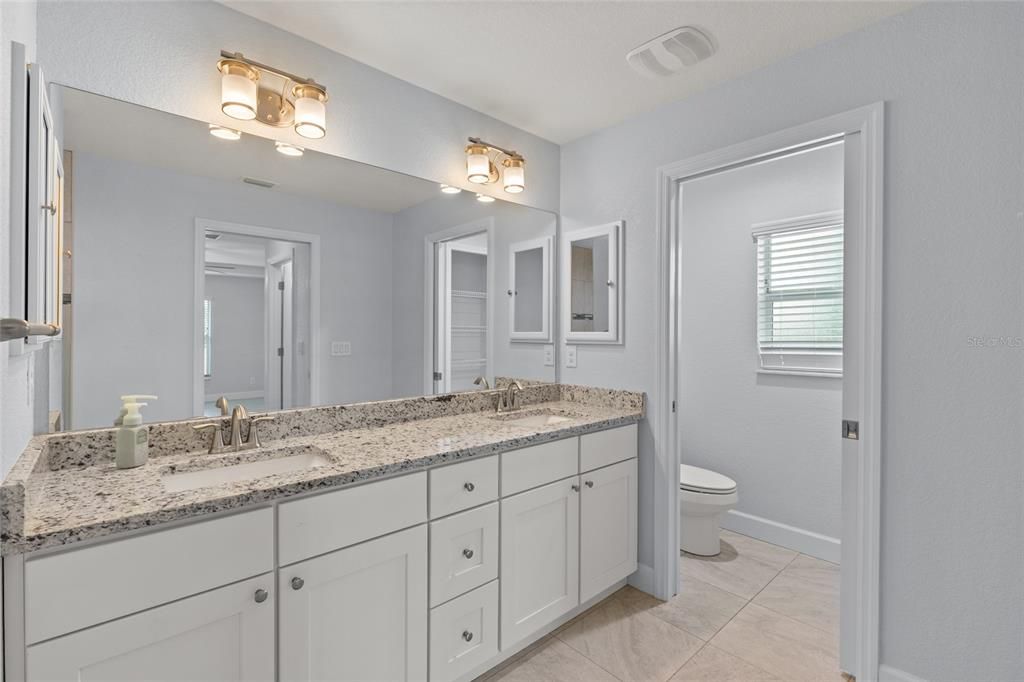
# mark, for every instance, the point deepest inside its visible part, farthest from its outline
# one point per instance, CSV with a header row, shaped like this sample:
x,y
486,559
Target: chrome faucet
x,y
236,444
482,381
508,400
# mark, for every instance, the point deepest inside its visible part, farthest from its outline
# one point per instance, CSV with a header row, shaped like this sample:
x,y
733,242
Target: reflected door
x,y
460,314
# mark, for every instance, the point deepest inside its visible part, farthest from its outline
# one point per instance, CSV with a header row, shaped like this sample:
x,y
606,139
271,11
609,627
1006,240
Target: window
x,y
800,295
207,338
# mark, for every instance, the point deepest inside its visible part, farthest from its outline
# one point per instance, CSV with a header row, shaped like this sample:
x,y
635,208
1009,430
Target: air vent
x,y
670,53
259,183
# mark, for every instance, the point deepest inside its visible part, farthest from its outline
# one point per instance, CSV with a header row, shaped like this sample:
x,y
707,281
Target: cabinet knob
x,y
297,583
467,635
468,553
575,488
260,596
589,484
469,487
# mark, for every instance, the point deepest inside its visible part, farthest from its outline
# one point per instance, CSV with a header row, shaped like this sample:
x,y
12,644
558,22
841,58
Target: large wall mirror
x,y
206,267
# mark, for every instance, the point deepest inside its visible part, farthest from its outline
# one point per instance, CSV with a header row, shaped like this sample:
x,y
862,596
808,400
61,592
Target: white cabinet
x,y
463,552
358,613
464,633
539,558
608,509
221,635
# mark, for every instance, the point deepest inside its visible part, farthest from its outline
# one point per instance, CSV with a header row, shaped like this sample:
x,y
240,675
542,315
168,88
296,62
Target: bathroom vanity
x,y
427,538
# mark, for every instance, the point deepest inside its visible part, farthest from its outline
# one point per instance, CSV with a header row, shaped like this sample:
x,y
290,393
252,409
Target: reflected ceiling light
x,y
448,189
483,198
254,91
481,169
224,133
288,149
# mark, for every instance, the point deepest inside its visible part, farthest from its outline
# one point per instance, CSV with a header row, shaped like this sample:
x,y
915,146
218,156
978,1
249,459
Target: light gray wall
x,y
239,363
152,225
163,55
512,223
952,511
774,435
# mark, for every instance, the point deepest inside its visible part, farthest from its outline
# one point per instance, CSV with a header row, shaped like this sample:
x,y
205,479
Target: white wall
x,y
164,54
239,362
774,435
952,511
153,223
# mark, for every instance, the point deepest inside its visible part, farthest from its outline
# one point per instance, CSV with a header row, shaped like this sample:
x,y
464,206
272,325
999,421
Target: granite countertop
x,y
63,504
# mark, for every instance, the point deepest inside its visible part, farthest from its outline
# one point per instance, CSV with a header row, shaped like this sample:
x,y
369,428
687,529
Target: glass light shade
x,y
484,199
478,164
288,149
310,112
514,176
224,133
238,91
448,189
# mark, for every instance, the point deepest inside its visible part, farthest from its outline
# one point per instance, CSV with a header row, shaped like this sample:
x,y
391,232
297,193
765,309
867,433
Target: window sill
x,y
822,374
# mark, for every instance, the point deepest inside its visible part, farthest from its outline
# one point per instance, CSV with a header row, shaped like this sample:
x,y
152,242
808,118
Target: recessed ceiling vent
x,y
671,52
259,183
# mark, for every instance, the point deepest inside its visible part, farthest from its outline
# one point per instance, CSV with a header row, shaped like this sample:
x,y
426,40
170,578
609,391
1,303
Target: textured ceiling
x,y
558,69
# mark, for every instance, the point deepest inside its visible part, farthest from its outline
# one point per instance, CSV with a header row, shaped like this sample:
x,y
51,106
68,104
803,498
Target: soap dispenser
x,y
132,437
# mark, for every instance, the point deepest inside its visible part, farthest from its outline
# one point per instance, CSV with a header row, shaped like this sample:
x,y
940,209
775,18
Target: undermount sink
x,y
270,463
535,418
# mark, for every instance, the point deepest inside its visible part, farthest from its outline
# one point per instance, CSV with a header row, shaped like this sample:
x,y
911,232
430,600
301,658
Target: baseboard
x,y
240,395
791,537
889,674
643,578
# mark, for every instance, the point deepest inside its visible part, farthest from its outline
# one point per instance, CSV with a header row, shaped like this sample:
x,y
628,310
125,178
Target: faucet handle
x,y
254,434
217,444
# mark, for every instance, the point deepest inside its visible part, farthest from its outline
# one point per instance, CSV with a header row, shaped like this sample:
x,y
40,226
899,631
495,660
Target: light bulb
x,y
514,175
239,87
310,111
478,164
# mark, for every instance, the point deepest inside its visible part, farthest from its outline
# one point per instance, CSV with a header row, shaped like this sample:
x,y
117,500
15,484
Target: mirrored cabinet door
x,y
530,290
592,284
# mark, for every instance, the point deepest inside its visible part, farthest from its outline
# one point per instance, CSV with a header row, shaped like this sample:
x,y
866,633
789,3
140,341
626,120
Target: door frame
x,y
430,241
862,504
199,258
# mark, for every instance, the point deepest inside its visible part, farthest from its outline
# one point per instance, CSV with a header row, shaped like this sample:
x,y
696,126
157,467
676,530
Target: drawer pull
x,y
467,635
260,596
468,553
297,583
575,488
590,484
469,487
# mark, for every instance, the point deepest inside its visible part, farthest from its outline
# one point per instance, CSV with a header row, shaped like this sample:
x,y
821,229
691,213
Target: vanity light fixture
x,y
483,198
288,149
224,133
482,170
449,189
253,91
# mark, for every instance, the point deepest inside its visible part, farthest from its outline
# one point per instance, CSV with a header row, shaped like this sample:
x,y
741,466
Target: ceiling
x,y
115,129
558,69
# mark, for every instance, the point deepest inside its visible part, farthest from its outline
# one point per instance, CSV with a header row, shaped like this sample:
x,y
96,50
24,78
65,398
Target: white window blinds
x,y
800,295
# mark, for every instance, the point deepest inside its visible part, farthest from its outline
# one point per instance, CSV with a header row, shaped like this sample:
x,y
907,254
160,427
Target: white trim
x,y
643,578
429,286
237,395
863,553
886,673
544,335
17,192
199,275
797,539
804,222
616,234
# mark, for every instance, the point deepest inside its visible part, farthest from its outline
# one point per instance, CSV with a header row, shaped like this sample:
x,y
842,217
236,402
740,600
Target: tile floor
x,y
755,612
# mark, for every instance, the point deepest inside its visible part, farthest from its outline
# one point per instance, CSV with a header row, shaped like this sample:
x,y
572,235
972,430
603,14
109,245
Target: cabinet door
x,y
539,558
222,635
357,614
608,509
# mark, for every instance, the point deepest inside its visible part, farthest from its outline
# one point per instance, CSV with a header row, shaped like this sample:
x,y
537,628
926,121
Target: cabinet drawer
x,y
607,447
534,466
321,524
464,485
463,552
464,633
83,587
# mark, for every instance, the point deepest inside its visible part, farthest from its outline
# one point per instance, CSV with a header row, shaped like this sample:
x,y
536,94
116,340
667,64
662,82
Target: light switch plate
x,y
339,348
570,356
549,355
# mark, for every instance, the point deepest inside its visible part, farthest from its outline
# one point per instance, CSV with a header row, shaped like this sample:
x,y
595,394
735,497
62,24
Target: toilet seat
x,y
697,480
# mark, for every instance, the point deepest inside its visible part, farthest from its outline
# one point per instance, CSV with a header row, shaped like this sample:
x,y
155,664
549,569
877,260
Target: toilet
x,y
703,497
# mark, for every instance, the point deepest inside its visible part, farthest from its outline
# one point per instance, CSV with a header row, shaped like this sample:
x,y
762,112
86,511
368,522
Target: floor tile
x,y
700,608
714,665
731,571
554,661
766,553
631,644
780,645
808,591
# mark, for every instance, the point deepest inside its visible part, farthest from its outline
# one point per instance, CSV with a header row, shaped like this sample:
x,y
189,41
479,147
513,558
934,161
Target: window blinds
x,y
800,296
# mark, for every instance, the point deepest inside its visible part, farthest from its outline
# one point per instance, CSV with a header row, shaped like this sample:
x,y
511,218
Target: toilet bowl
x,y
703,497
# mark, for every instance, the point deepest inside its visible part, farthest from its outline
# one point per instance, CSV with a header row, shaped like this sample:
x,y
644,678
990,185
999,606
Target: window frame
x,y
803,362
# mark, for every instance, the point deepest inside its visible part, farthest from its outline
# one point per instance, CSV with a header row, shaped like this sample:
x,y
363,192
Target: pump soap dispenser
x,y
132,437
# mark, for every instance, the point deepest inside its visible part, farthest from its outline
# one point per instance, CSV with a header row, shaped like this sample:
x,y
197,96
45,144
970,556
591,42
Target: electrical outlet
x,y
570,356
339,348
549,355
